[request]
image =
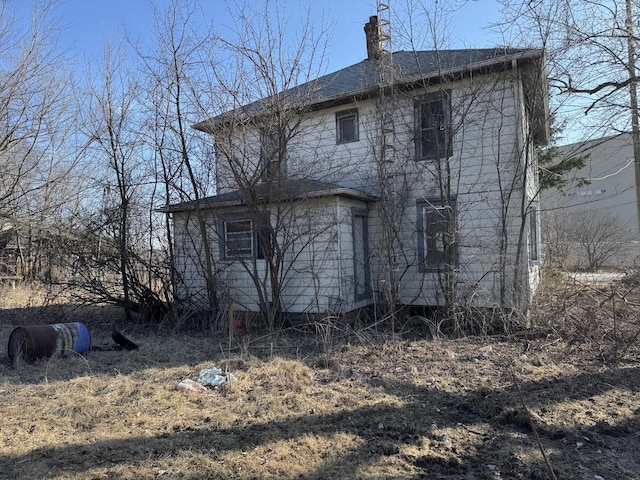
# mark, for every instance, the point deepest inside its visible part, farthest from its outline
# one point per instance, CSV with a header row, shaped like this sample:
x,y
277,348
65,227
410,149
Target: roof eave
x,y
427,78
208,125
540,113
340,191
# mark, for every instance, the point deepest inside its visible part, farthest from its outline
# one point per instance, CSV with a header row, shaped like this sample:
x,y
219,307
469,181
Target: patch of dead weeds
x,y
441,408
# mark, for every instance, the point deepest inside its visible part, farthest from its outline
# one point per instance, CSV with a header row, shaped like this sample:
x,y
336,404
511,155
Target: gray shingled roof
x,y
294,189
409,66
362,79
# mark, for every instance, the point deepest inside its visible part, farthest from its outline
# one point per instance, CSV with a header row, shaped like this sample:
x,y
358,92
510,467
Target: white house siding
x,y
316,154
311,282
189,255
319,276
531,267
491,144
243,145
485,149
312,152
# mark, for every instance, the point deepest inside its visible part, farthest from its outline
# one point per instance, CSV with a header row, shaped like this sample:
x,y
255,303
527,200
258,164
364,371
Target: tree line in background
x,y
86,162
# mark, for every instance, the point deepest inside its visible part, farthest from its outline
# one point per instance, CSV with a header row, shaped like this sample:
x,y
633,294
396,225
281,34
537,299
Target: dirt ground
x,y
561,397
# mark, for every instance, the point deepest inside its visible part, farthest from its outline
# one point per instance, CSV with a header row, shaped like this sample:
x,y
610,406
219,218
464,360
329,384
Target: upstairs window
x,y
433,125
347,126
436,224
272,153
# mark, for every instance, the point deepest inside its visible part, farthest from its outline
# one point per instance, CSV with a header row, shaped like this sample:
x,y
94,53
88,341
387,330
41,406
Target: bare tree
x,y
592,57
109,123
586,240
265,116
176,88
37,160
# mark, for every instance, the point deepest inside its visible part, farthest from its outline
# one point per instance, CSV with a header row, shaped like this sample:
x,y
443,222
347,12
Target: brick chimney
x,y
372,31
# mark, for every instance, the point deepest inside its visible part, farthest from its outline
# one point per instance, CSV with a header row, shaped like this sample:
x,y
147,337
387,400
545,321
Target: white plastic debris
x,y
484,352
214,377
191,386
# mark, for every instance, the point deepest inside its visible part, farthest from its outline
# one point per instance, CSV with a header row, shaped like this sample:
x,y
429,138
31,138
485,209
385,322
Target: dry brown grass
x,y
395,409
21,295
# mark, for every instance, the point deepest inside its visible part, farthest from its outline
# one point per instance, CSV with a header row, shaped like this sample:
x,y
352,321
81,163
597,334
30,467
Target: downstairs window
x,y
436,224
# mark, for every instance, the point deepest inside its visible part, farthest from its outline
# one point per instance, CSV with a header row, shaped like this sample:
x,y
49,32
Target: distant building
x,y
608,200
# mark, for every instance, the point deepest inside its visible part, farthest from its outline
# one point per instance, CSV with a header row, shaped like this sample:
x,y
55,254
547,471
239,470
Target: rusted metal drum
x,y
45,341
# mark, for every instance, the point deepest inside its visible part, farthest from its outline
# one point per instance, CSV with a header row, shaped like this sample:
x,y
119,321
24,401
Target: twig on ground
x,y
552,475
551,343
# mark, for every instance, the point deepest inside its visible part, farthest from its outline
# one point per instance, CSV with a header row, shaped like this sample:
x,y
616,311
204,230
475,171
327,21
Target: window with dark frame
x,y
242,238
347,126
433,124
436,224
238,239
534,233
271,153
361,263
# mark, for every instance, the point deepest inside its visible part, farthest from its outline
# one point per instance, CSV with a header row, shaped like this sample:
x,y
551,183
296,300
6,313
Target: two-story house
x,y
408,178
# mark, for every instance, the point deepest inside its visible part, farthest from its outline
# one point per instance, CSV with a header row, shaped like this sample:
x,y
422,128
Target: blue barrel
x,y
45,341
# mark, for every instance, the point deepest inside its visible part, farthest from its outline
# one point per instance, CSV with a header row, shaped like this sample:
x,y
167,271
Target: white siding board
x,y
484,148
488,121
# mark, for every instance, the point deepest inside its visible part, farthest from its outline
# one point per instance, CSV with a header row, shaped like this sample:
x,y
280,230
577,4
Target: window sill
x,y
428,159
431,269
239,259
